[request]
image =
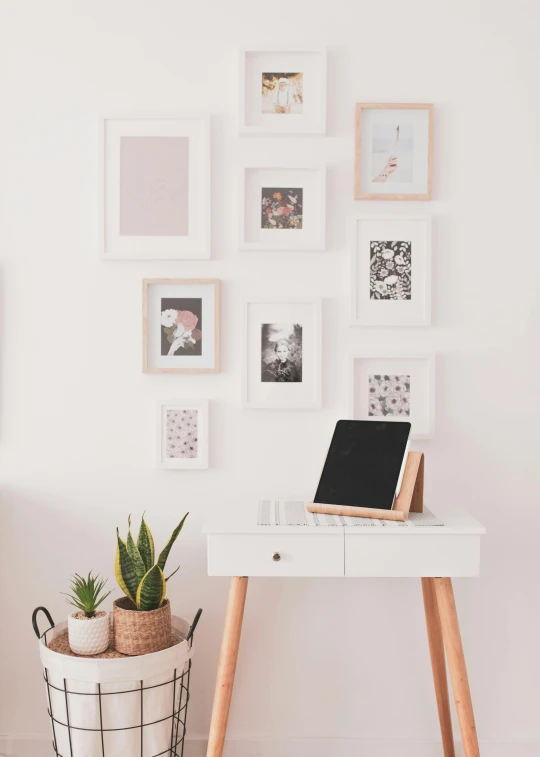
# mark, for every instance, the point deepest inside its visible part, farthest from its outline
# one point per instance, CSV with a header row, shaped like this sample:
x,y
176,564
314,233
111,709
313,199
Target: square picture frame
x,y
393,151
282,355
282,208
182,434
282,90
155,187
181,325
394,386
390,270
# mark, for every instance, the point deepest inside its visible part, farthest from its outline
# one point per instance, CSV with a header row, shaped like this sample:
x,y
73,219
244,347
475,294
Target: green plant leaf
x,y
165,551
152,590
86,593
145,544
125,570
138,562
172,574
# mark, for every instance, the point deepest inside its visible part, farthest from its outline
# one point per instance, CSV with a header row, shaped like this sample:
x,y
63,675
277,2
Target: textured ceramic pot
x,y
88,636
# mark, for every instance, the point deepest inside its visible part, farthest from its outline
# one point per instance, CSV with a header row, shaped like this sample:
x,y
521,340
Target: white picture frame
x,y
280,324
406,299
170,425
419,368
303,187
155,187
307,108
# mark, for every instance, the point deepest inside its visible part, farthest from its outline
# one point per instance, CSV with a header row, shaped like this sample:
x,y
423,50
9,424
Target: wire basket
x,y
122,707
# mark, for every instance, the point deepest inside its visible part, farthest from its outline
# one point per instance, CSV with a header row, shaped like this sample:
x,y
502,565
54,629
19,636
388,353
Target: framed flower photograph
x,y
394,387
155,185
283,208
282,366
282,91
391,271
394,151
181,325
182,434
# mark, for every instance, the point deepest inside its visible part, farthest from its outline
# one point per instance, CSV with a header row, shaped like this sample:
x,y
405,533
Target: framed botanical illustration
x,y
155,184
282,366
394,387
181,325
394,151
282,91
182,434
391,271
283,208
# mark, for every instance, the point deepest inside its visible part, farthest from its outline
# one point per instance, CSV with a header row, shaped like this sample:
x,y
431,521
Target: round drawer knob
x,y
276,557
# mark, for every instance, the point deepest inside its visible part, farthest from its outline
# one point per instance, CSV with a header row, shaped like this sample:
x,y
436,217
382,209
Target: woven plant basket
x,y
141,632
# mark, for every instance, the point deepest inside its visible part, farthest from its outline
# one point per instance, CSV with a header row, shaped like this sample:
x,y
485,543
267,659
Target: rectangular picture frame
x,y
288,320
172,433
309,185
417,391
308,116
401,297
401,153
155,187
161,326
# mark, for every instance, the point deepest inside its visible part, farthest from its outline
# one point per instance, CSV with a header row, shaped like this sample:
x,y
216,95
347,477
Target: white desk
x,y
239,547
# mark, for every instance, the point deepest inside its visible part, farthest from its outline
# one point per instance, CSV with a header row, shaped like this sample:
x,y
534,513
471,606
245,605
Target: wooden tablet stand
x,y
409,499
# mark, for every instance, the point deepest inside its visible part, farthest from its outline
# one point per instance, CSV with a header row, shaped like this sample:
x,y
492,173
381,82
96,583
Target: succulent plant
x,y
138,575
87,593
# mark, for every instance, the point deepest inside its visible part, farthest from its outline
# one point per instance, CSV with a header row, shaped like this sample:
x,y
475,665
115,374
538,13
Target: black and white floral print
x,y
389,395
390,271
181,433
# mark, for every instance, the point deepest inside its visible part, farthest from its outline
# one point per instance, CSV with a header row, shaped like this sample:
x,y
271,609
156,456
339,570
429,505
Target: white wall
x,y
76,419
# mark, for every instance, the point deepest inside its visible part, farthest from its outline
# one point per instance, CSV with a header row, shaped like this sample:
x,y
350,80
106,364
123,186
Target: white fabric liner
x,y
86,676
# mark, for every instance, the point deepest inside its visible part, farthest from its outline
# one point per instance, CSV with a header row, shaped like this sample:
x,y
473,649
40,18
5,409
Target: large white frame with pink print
x,y
182,434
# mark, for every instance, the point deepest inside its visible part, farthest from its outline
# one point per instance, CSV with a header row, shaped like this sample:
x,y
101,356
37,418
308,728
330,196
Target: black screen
x,y
363,464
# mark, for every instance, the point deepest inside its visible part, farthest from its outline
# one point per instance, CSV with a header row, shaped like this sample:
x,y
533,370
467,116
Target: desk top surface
x,y
281,516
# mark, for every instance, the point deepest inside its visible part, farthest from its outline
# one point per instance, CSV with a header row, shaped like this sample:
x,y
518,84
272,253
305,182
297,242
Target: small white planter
x,y
88,635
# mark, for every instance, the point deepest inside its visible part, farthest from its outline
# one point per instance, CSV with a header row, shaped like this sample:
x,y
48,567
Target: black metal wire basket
x,y
90,719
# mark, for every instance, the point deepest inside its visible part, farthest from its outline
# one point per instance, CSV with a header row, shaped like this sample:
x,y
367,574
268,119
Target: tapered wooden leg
x,y
438,664
227,665
456,664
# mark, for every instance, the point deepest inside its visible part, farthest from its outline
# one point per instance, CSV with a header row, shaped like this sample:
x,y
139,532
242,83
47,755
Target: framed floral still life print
x,y
181,325
394,151
182,434
282,91
283,209
391,271
155,188
283,354
394,387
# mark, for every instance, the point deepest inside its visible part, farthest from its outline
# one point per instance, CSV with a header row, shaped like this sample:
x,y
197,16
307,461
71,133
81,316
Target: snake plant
x,y
138,575
87,593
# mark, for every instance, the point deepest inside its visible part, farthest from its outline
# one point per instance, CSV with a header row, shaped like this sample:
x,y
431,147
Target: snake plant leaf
x,y
125,570
152,590
172,574
145,545
165,551
138,562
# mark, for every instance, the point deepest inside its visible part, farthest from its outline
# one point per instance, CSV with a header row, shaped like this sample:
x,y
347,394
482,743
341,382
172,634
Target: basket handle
x,y
34,620
194,624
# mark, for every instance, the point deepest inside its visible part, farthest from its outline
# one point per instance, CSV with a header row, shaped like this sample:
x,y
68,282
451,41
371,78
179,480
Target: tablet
x,y
363,464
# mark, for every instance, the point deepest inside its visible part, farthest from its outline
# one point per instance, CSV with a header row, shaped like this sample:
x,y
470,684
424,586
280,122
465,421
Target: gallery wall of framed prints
x,y
155,205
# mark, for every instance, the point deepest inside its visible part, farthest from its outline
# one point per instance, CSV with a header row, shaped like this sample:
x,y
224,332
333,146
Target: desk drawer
x,y
405,556
253,555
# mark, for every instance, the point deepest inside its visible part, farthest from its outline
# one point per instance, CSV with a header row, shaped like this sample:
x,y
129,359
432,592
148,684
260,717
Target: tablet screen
x,y
363,464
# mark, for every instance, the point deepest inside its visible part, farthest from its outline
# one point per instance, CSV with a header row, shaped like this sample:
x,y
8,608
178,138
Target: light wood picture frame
x,y
393,151
181,325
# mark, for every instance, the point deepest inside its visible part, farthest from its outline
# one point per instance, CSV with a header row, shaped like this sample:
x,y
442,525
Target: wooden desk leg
x,y
438,664
227,665
456,664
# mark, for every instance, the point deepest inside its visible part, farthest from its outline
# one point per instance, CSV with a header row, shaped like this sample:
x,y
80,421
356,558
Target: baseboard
x,y
40,746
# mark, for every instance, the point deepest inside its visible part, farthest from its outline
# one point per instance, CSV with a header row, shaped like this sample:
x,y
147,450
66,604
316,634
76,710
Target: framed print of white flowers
x,y
391,271
183,434
389,395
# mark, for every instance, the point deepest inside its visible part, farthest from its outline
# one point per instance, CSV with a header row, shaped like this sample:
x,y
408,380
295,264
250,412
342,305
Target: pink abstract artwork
x,y
154,186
